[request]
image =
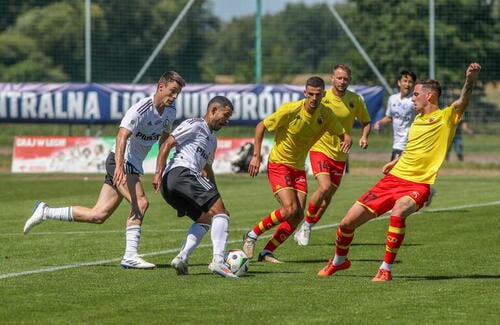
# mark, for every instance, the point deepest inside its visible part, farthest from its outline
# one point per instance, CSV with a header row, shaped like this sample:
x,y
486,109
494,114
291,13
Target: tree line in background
x,y
43,40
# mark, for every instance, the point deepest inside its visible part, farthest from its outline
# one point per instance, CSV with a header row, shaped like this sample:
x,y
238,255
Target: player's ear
x,y
213,109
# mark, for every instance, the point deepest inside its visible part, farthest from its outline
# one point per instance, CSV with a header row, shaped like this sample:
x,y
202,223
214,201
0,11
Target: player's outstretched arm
x,y
471,75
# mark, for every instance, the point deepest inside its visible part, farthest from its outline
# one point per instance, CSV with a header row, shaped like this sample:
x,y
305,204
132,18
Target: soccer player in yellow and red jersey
x,y
328,162
406,185
297,125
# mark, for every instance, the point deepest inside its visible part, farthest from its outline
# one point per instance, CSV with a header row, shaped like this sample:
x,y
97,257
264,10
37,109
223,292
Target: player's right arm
x,y
161,161
254,165
471,75
383,121
119,176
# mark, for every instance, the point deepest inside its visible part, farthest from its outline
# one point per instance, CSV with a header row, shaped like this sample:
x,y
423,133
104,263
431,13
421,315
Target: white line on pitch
x,y
113,260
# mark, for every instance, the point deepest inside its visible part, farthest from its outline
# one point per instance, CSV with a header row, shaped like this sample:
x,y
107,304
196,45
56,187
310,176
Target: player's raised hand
x,y
473,71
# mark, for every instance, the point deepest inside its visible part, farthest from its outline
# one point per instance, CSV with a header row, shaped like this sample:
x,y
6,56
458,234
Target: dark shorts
x,y
189,193
395,154
111,166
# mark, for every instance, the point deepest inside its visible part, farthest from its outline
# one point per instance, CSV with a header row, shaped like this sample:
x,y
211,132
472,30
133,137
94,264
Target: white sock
x,y
386,266
132,237
307,224
194,236
60,214
337,260
219,234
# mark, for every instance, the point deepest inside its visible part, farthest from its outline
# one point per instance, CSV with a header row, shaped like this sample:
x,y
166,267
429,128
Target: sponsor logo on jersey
x,y
202,152
146,137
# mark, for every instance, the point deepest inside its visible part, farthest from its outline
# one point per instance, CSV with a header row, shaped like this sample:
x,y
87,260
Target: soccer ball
x,y
237,261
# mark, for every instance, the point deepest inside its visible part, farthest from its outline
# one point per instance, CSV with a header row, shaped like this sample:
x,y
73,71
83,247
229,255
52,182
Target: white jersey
x,y
196,145
402,111
147,126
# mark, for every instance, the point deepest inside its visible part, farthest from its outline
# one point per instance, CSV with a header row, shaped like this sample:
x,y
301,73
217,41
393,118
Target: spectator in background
x,y
400,112
147,122
458,141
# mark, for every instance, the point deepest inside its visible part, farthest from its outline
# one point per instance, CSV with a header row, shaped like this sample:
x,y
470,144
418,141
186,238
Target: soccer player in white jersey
x,y
400,112
187,183
148,121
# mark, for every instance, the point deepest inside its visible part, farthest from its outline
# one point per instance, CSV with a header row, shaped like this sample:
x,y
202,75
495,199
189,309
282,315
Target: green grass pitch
x,y
447,272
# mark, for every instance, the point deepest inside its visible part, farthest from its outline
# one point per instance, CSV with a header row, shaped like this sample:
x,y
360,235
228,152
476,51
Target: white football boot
x,y
180,266
136,262
222,270
36,217
303,235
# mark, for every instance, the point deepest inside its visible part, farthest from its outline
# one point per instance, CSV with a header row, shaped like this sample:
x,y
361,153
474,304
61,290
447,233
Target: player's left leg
x,y
355,217
395,236
319,202
328,173
219,235
133,191
287,227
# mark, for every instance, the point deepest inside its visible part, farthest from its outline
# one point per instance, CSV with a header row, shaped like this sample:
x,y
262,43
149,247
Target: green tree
x,y
136,27
22,60
463,33
58,31
11,9
231,51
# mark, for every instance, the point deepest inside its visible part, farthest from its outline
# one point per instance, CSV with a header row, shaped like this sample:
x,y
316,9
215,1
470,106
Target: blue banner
x,y
107,103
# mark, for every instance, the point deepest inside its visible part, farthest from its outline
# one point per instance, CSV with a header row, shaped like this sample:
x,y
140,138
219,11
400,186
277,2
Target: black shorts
x,y
396,153
111,166
189,193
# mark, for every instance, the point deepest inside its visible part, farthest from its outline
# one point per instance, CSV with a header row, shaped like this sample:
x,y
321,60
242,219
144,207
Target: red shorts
x,y
282,177
382,196
322,164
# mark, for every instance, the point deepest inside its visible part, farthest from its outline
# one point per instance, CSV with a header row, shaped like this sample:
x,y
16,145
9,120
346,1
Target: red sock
x,y
268,222
281,234
343,241
311,214
395,237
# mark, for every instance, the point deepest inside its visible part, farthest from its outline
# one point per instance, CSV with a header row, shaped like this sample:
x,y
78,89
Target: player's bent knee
x,y
143,205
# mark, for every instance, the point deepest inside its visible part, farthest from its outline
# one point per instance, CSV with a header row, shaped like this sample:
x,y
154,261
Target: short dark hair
x,y
430,84
316,82
406,73
222,101
172,76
